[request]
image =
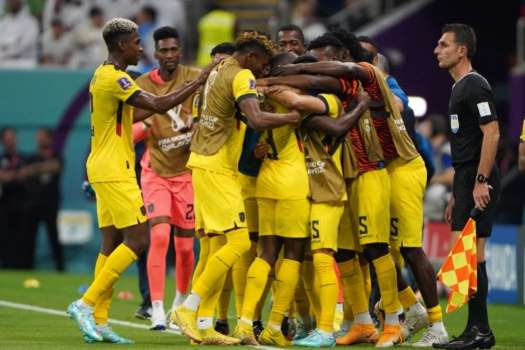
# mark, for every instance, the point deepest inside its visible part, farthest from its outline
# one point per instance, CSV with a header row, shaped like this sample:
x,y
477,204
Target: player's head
x,y
355,51
168,49
326,48
370,46
305,59
44,138
222,50
281,59
290,38
122,38
457,43
8,138
254,51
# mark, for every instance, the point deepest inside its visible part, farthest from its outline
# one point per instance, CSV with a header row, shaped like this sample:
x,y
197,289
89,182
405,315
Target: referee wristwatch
x,y
480,178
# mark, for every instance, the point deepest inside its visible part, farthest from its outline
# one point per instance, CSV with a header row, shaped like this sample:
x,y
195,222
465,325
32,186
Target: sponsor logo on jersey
x,y
454,123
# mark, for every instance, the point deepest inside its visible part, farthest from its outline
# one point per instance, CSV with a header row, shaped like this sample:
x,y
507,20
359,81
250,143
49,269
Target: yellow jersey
x,y
522,137
283,172
217,142
112,156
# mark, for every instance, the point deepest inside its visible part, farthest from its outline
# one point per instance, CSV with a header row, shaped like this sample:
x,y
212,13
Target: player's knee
x,y
159,243
343,255
375,251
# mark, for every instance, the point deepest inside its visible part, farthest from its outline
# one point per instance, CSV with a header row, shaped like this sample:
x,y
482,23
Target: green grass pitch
x,y
23,329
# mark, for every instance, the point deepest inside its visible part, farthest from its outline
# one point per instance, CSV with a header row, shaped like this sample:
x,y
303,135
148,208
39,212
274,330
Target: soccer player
x,y
165,180
327,186
408,180
290,38
474,142
215,151
110,170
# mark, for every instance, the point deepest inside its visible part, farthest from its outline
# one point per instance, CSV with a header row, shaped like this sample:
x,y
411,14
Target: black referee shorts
x,y
464,180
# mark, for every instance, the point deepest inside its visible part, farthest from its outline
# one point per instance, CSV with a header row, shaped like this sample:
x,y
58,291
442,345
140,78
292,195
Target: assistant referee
x,y
474,142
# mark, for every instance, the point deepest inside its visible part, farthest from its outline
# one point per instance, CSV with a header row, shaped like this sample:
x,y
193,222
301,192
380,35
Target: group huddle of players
x,y
299,177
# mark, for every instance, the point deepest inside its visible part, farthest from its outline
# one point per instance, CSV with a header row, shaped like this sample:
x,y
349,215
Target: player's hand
x,y
207,70
294,117
362,96
89,193
448,210
481,195
261,150
263,82
287,69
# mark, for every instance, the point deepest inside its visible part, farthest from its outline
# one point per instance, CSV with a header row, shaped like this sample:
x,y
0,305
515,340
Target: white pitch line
x,y
54,312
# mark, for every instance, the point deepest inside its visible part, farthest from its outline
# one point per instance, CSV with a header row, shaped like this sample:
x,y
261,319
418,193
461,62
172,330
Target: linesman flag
x,y
459,271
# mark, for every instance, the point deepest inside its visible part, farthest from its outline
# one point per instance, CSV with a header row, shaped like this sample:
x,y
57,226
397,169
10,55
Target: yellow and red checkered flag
x,y
460,269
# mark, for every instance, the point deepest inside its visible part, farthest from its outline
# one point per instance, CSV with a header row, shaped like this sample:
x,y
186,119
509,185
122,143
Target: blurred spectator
x,y
440,187
41,177
147,21
71,12
170,13
215,27
13,211
18,36
57,47
304,15
90,49
121,8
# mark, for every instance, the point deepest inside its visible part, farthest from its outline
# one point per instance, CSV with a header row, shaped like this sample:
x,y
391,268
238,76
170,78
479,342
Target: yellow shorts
x,y
284,218
324,225
370,207
408,184
119,204
218,202
347,239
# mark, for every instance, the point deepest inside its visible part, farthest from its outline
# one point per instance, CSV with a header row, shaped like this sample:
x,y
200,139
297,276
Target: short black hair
x,y
150,11
353,45
305,59
282,58
325,40
165,33
292,28
95,11
368,40
227,48
465,35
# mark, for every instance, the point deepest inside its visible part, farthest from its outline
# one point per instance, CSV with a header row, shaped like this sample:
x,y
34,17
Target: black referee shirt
x,y
471,105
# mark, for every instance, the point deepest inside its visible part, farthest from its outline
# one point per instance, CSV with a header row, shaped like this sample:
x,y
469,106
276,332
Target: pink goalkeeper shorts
x,y
172,197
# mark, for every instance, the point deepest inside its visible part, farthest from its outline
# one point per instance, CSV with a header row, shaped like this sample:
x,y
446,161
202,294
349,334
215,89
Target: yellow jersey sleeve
x,y
244,85
522,137
333,106
121,86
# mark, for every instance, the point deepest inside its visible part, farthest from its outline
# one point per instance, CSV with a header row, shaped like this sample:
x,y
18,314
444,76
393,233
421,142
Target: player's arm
x,y
339,126
348,70
150,103
260,120
305,82
292,100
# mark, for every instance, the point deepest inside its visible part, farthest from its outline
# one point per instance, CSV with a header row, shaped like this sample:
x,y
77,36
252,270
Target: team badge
x,y
151,208
124,83
242,216
454,123
252,84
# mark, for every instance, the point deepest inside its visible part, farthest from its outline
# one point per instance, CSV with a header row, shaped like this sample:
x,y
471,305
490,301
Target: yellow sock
x,y
354,286
435,314
239,273
365,270
407,297
286,278
387,281
203,257
224,298
308,277
256,280
209,303
258,309
302,305
219,263
101,310
117,262
325,273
